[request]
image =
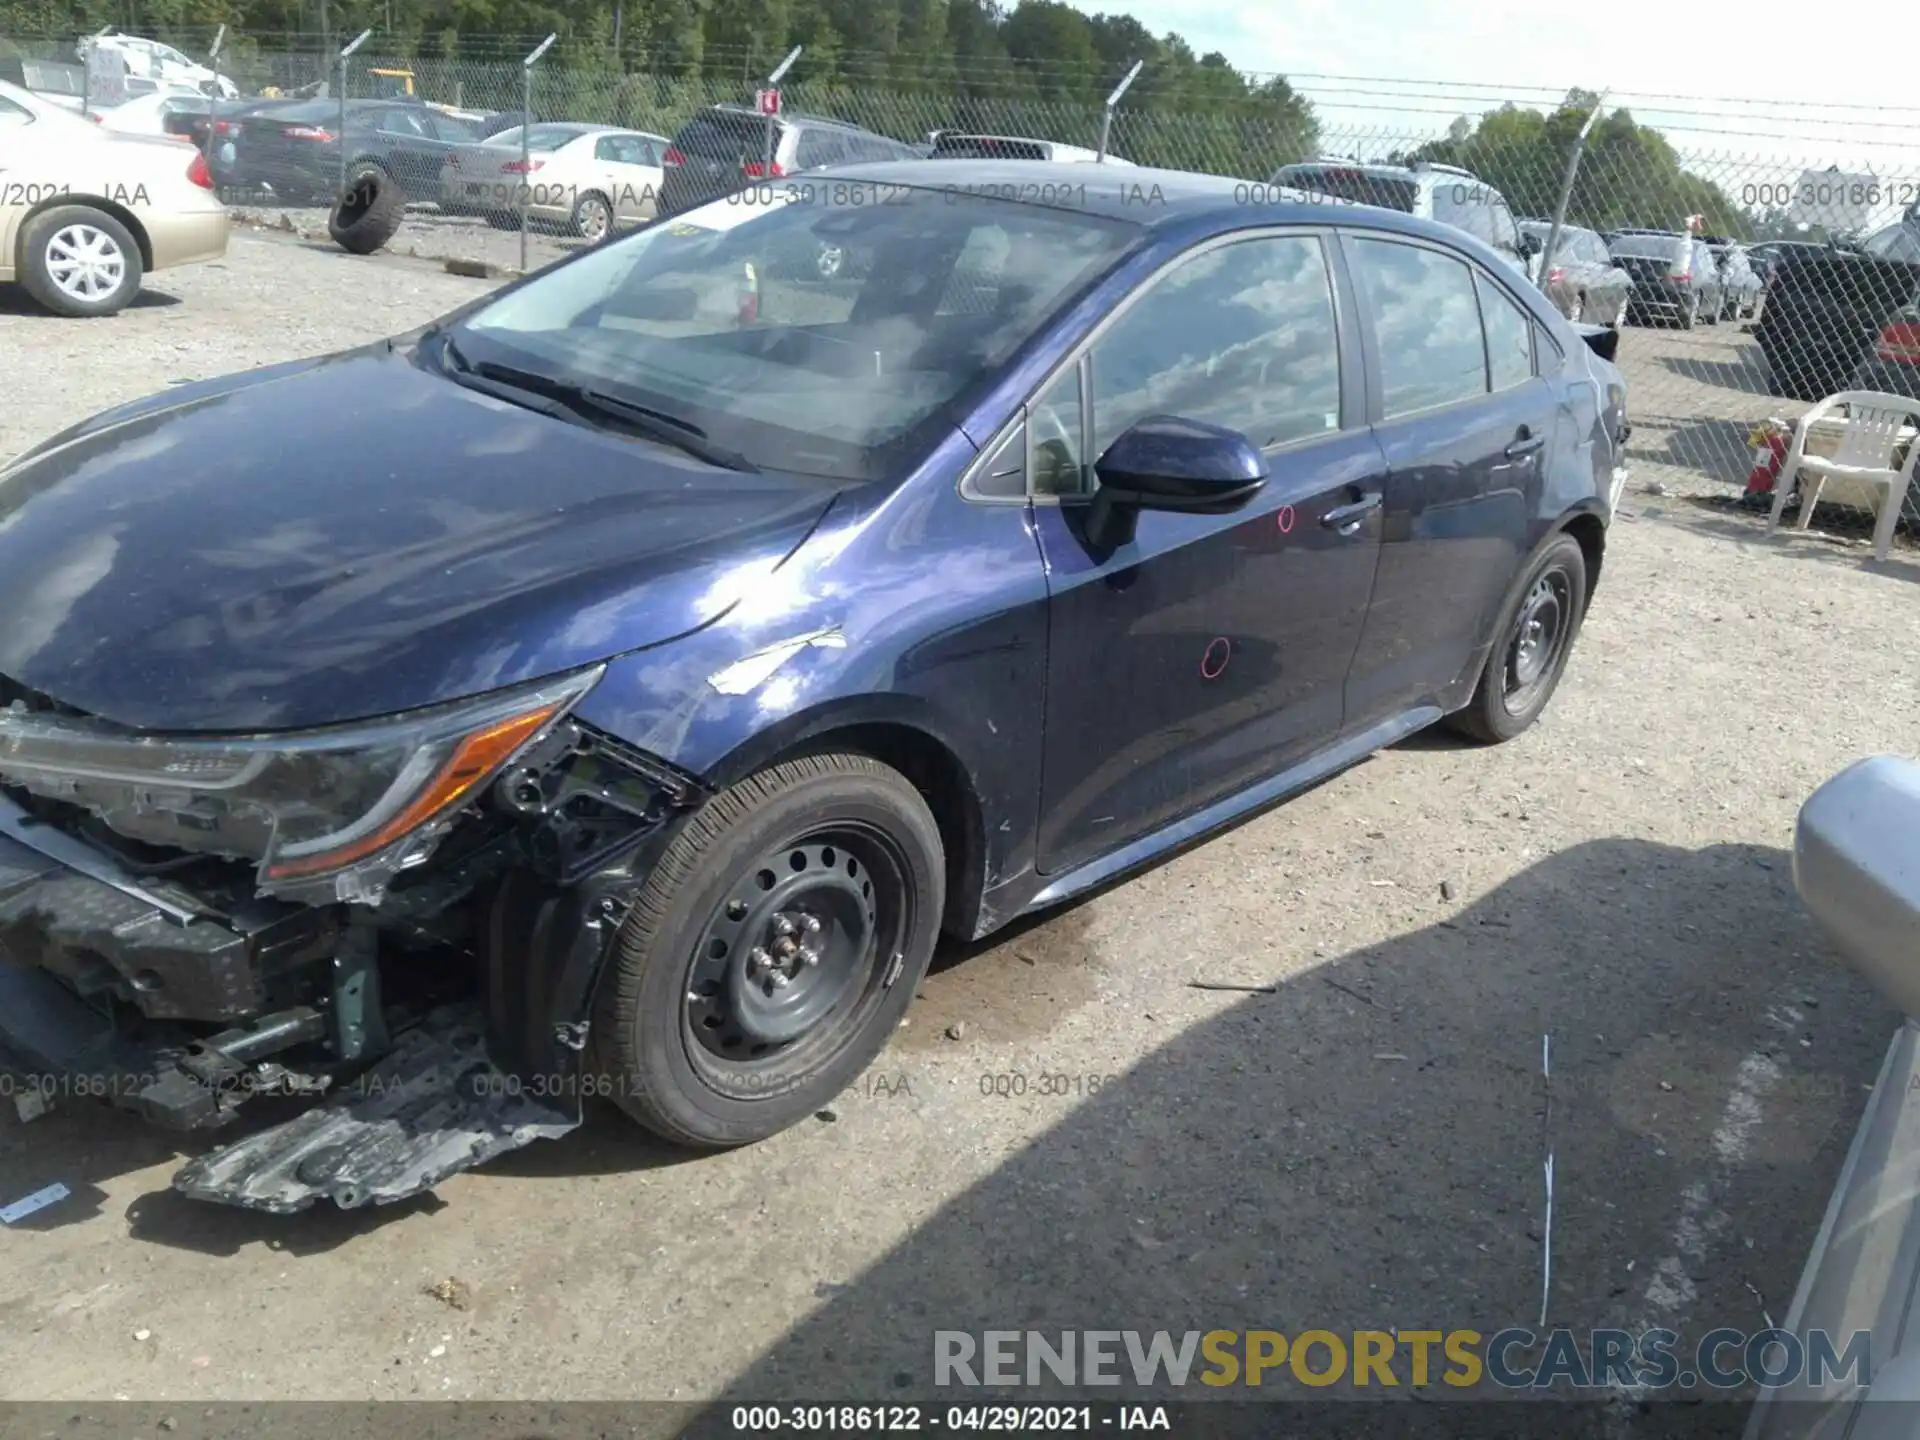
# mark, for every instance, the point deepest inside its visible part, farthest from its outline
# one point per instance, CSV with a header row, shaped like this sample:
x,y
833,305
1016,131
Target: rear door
x,y
1212,649
1463,420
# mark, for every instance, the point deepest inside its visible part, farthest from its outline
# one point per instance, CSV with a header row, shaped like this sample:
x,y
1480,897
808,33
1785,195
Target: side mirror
x,y
1856,864
1166,463
1531,244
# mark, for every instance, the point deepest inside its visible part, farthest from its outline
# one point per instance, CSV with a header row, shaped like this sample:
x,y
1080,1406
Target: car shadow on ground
x,y
1373,1128
1377,1129
1748,374
14,300
1716,448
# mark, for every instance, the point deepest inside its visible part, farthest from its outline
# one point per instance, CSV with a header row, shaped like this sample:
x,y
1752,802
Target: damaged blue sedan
x,y
618,687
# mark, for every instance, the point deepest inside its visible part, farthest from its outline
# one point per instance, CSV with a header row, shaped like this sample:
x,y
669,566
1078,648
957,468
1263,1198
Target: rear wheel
x,y
592,218
1534,639
80,262
773,950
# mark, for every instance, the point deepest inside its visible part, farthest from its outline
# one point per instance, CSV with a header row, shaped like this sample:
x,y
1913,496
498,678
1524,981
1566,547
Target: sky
x,y
1849,102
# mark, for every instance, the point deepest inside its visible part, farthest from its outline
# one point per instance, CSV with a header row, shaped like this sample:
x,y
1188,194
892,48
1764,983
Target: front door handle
x,y
1347,518
1525,446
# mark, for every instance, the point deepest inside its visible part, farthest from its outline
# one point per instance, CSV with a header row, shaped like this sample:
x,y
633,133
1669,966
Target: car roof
x,y
1150,198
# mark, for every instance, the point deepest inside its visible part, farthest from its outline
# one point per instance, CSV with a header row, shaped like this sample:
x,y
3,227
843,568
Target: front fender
x,y
913,610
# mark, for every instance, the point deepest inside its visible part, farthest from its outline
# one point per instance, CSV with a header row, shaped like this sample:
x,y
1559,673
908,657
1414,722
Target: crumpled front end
x,y
400,925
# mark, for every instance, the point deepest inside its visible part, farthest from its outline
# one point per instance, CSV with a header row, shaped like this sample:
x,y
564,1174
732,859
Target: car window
x,y
645,151
1054,433
1241,336
1346,183
453,128
609,147
820,147
1427,326
1647,247
404,122
1509,336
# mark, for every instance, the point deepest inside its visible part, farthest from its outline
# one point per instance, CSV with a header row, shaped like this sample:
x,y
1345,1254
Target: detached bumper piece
x,y
434,1106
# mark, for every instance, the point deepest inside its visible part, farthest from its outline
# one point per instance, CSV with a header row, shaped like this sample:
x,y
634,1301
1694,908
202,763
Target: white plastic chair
x,y
1875,427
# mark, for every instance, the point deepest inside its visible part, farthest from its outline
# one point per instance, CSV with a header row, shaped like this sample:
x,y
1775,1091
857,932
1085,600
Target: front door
x,y
1209,651
1464,421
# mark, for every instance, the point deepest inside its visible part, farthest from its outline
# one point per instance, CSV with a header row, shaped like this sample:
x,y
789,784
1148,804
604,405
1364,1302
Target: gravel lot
x,y
1361,1147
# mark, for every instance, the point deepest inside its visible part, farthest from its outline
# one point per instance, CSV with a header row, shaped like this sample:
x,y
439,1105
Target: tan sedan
x,y
86,213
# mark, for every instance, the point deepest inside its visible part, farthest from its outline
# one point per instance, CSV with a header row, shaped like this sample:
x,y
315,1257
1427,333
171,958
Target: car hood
x,y
335,540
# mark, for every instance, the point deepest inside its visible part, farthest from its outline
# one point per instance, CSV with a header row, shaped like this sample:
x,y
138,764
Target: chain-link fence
x,y
1745,286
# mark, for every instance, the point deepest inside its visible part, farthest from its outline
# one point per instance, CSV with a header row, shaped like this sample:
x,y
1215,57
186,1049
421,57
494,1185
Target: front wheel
x,y
772,951
1534,638
80,262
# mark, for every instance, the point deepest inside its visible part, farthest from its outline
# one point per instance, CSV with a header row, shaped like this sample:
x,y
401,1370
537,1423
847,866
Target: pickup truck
x,y
1828,313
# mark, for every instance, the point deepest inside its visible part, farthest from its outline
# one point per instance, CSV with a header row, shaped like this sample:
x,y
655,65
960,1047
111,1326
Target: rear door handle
x,y
1346,518
1525,446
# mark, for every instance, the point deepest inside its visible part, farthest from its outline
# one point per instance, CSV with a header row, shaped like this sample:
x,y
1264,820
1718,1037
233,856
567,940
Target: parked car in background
x,y
87,213
185,117
1828,312
64,85
590,178
1740,286
1674,276
294,148
1856,866
1444,193
862,614
1580,276
724,147
964,145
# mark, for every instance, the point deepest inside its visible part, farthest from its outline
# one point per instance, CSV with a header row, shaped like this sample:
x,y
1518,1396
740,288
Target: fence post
x,y
1566,193
526,143
213,105
357,42
772,122
1106,114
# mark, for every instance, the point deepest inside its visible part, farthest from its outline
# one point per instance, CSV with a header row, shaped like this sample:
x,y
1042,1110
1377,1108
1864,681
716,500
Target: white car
x,y
591,178
149,114
86,213
151,60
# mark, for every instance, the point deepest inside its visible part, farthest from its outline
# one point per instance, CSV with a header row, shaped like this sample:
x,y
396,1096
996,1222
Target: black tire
x,y
592,218
690,1033
368,213
1510,697
1690,315
80,262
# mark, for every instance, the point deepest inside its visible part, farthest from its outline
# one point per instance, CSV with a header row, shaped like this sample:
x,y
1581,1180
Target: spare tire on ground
x,y
368,213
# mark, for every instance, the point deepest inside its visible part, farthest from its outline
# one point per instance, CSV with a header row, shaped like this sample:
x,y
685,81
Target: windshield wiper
x,y
582,402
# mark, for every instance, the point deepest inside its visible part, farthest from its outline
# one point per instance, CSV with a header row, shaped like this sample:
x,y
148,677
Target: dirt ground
x,y
1361,1147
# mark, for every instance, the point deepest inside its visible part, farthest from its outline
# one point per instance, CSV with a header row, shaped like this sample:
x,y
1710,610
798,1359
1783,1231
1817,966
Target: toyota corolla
x,y
619,686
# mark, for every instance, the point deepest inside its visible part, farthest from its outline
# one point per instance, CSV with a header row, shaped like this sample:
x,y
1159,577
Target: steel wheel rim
x,y
1537,640
85,262
594,219
838,894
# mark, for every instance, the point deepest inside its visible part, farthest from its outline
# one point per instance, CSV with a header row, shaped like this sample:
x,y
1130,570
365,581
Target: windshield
x,y
808,333
1389,192
1647,247
1896,242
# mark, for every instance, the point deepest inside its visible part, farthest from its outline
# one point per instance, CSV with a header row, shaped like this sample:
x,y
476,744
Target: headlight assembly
x,y
327,814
